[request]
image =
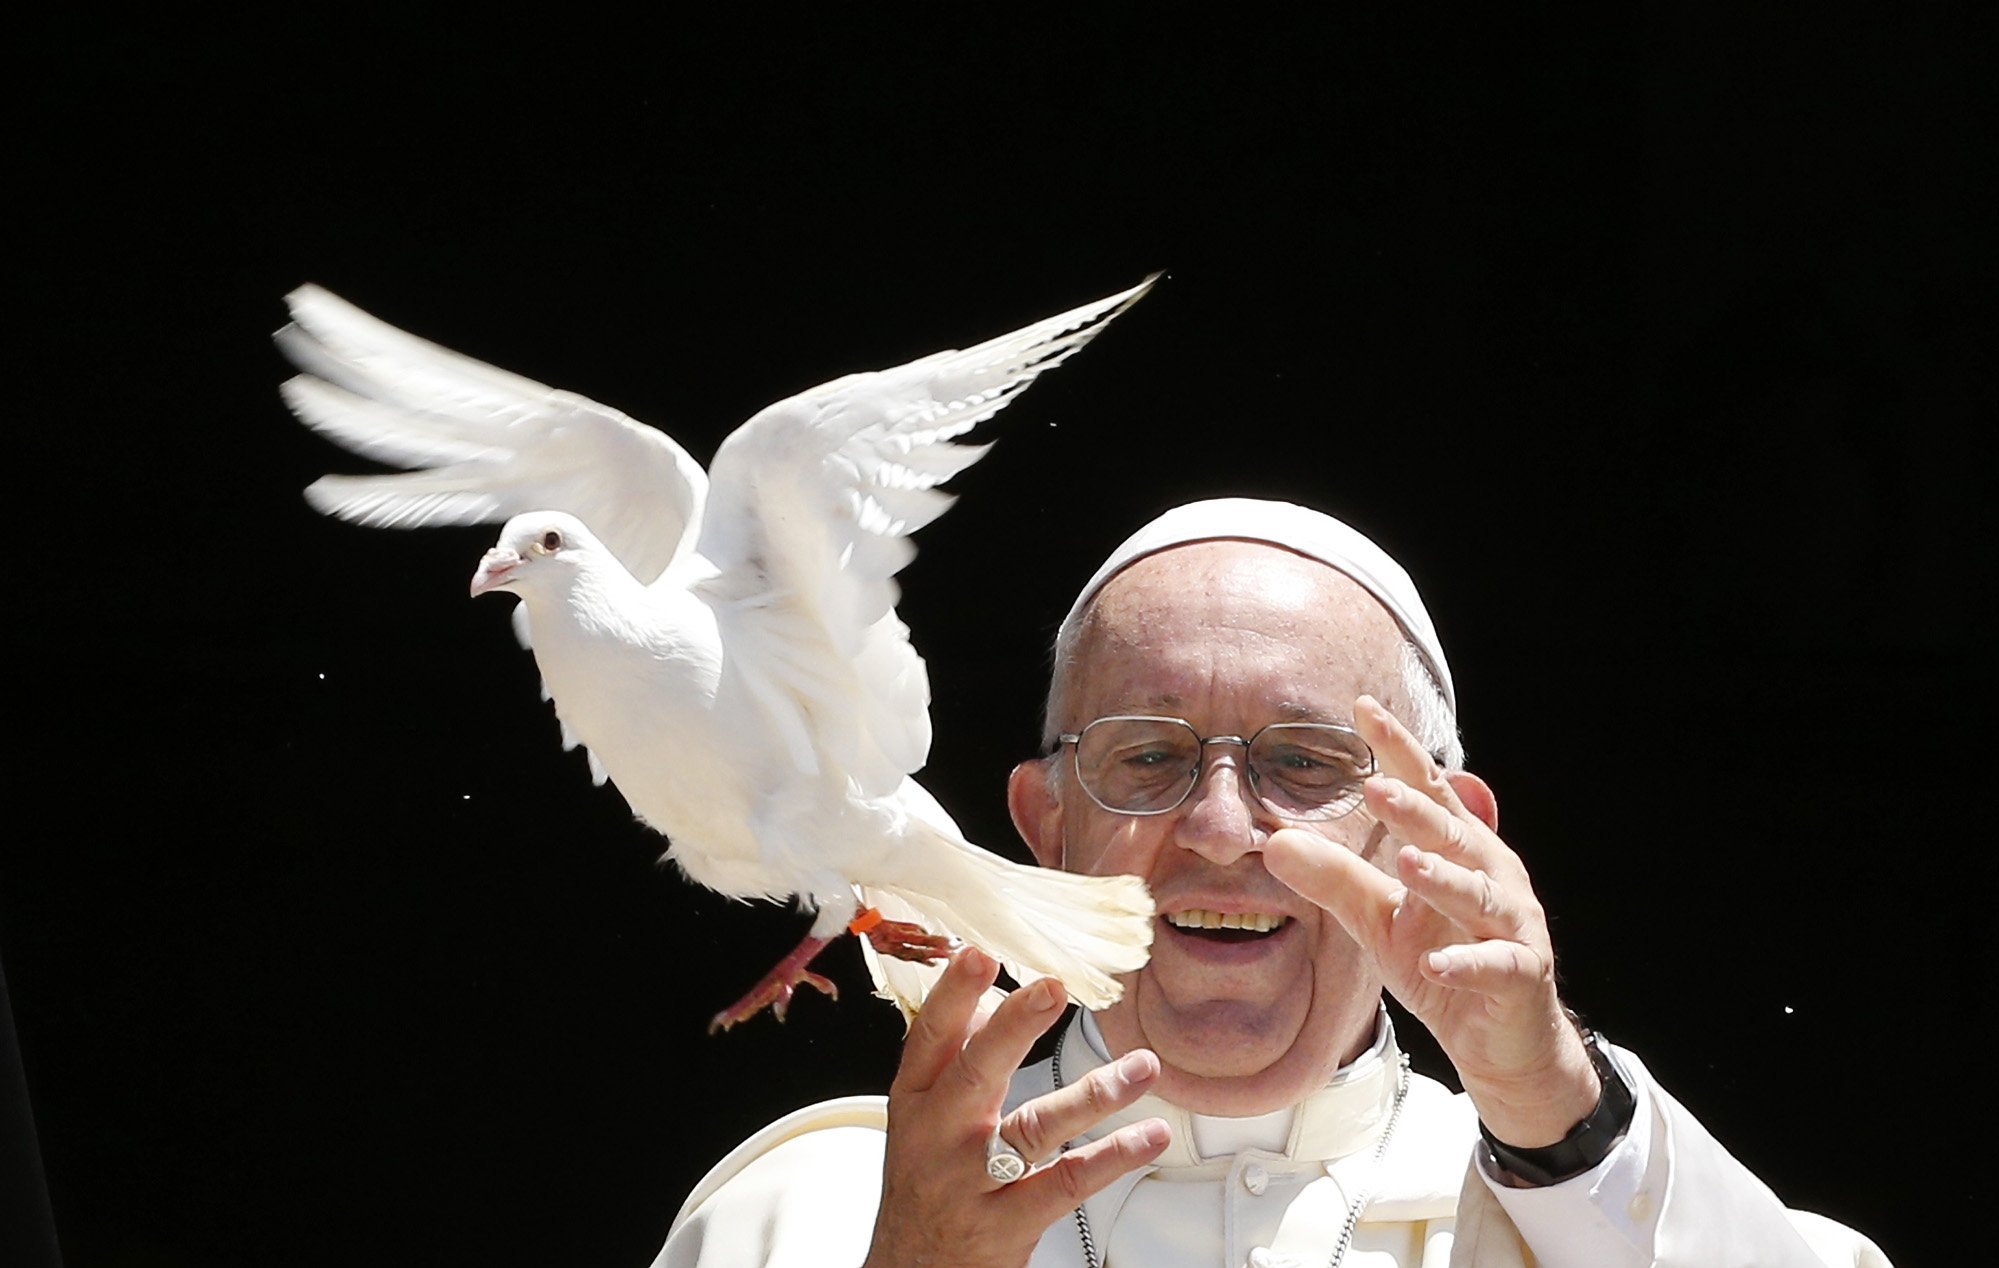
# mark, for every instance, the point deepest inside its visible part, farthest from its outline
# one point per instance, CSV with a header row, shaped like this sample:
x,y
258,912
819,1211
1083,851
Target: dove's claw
x,y
777,987
782,1004
906,941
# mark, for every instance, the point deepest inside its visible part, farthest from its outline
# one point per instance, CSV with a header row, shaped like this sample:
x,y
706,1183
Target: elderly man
x,y
1251,710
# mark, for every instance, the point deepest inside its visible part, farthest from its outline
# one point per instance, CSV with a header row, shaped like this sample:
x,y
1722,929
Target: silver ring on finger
x,y
1003,1161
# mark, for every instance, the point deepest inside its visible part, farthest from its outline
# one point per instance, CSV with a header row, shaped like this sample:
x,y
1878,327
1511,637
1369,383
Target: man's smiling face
x,y
1230,636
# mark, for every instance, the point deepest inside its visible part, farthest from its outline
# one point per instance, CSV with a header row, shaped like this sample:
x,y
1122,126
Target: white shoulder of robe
x,y
803,1191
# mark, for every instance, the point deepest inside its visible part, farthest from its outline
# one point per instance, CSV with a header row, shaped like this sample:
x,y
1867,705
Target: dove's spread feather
x,y
490,444
725,646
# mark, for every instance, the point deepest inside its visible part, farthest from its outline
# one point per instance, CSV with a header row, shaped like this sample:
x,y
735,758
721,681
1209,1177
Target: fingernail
x,y
1134,1068
1153,1134
1041,995
1439,962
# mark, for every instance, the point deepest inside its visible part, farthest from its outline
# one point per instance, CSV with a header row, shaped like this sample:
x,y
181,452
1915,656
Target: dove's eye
x,y
550,542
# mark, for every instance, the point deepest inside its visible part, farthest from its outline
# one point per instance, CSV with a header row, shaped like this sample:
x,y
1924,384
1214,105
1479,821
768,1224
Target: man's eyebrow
x,y
1166,702
1293,711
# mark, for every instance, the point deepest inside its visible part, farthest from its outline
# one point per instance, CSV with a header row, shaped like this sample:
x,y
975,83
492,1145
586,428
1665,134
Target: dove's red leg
x,y
778,986
899,938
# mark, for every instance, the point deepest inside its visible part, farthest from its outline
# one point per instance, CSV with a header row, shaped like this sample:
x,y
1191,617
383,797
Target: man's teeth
x,y
1254,921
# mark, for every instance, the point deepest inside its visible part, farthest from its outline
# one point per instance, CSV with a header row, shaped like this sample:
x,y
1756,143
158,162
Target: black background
x,y
1652,344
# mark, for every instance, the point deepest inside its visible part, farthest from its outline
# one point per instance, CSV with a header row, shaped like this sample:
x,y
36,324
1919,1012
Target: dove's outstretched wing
x,y
809,511
487,445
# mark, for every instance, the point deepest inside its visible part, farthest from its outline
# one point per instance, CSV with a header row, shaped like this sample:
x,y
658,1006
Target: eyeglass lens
x,y
1301,770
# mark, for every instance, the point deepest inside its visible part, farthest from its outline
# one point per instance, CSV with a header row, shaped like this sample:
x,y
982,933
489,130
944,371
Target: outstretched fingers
x,y
1359,895
949,1016
1492,968
940,1201
1409,814
992,1054
1062,1185
1039,1127
1471,898
1398,755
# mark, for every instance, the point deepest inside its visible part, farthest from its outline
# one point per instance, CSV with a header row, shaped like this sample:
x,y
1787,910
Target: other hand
x,y
1456,930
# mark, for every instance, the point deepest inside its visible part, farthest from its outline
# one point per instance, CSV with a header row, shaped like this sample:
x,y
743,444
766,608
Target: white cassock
x,y
1274,1192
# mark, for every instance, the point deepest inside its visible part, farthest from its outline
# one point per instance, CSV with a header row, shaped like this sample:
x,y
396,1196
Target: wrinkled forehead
x,y
1297,634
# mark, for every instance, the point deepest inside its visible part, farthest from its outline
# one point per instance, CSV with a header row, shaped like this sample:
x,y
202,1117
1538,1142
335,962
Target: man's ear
x,y
1036,811
1477,796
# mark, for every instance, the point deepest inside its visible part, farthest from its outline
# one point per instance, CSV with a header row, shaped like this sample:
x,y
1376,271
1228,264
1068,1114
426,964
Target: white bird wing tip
x,y
322,498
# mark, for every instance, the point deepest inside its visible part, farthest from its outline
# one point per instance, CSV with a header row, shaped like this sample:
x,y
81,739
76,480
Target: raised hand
x,y
938,1204
1456,932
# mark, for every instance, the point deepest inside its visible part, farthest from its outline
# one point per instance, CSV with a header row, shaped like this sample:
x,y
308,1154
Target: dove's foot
x,y
777,987
901,939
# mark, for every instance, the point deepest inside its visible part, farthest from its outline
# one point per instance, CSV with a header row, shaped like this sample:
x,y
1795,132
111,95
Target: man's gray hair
x,y
1426,713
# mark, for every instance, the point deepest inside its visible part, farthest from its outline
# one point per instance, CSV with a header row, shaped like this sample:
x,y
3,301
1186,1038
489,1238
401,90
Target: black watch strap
x,y
1588,1142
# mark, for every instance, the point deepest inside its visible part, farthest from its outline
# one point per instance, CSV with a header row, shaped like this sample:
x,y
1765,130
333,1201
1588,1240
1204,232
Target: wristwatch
x,y
1588,1142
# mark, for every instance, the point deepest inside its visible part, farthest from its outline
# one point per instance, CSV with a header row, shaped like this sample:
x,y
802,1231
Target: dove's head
x,y
540,551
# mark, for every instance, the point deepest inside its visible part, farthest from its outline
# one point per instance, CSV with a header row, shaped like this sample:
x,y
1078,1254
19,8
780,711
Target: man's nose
x,y
1219,819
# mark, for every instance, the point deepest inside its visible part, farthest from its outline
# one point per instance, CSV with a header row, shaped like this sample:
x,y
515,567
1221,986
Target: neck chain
x,y
1358,1203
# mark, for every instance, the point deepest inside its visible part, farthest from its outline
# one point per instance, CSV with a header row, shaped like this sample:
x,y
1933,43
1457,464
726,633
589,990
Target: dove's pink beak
x,y
495,569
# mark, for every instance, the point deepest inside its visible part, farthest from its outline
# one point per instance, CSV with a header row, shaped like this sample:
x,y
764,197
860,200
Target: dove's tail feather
x,y
1038,922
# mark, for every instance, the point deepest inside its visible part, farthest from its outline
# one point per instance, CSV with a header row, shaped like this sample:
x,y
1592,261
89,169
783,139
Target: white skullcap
x,y
1296,528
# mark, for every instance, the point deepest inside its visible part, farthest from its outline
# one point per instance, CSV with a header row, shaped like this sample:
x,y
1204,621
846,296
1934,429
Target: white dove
x,y
725,646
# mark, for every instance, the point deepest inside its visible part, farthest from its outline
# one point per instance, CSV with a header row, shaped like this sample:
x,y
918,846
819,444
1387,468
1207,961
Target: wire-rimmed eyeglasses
x,y
1143,765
